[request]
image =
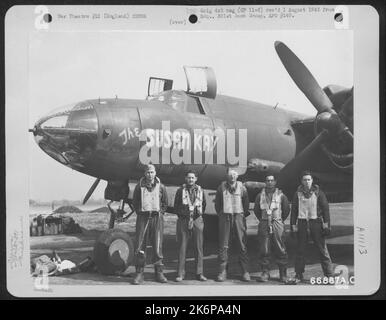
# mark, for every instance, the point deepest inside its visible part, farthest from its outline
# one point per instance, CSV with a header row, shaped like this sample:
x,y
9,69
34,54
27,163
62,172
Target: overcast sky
x,y
70,67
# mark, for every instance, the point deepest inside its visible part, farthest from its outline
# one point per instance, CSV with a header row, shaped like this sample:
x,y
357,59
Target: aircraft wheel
x,y
113,251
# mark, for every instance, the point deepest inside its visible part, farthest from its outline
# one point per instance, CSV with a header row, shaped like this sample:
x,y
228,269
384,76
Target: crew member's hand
x,y
326,229
294,230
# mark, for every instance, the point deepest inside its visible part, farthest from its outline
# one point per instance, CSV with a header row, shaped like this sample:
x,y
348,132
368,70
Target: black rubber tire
x,y
112,262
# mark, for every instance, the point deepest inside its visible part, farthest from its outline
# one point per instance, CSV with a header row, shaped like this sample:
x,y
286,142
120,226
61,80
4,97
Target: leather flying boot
x,y
139,276
246,277
264,277
283,275
299,278
201,277
222,276
159,276
179,278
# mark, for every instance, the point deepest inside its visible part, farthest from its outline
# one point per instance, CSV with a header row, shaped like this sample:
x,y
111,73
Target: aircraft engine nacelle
x,y
263,167
257,170
253,189
338,148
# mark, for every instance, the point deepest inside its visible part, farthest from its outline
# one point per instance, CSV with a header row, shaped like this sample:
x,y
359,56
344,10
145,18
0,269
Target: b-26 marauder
x,y
103,137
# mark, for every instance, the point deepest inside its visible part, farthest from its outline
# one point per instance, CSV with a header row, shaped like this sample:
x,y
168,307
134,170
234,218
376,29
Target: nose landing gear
x,y
114,248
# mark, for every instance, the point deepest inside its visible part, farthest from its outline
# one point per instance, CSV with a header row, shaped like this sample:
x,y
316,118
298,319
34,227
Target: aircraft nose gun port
x,y
68,134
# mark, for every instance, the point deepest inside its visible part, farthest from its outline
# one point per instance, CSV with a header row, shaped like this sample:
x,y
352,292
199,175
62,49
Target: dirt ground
x,y
78,247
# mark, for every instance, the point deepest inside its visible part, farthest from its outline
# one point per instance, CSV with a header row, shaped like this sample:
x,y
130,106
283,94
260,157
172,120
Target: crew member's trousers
x,y
154,232
272,243
315,228
183,236
229,223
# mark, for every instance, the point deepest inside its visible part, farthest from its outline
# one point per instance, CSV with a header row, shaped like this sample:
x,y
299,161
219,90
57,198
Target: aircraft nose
x,y
68,134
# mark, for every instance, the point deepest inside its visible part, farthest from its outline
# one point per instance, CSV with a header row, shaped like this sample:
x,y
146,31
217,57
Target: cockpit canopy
x,y
201,82
78,117
180,101
69,134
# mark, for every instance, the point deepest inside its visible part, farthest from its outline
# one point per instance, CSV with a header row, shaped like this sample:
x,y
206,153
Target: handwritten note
x,y
16,251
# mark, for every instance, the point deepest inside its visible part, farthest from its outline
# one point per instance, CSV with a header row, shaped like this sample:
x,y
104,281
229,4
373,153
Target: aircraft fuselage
x,y
101,137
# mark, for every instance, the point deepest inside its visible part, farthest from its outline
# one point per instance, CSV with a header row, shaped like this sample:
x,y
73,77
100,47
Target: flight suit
x,y
150,203
232,205
309,211
190,224
275,207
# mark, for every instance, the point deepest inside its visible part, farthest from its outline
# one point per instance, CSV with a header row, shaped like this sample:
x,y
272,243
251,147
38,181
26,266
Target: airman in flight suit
x,y
232,207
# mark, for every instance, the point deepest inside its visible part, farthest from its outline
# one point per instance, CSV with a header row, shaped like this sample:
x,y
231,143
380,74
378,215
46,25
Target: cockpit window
x,y
180,101
56,121
175,99
194,105
82,116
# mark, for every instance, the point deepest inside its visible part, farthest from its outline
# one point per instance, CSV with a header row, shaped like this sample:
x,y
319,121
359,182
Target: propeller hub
x,y
331,122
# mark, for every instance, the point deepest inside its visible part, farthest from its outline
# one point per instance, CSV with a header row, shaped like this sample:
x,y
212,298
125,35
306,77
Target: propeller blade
x,y
303,78
289,175
92,189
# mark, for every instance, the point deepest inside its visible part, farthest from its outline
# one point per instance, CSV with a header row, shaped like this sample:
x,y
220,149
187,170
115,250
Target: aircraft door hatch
x,y
158,85
201,82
